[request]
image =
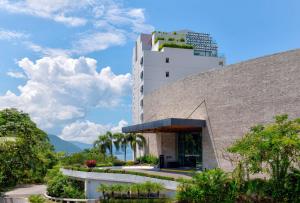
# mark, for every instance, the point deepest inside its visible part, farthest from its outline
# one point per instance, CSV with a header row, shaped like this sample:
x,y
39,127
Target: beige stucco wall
x,y
236,98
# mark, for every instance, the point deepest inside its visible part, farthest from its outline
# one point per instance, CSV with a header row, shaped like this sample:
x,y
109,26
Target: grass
x,y
119,172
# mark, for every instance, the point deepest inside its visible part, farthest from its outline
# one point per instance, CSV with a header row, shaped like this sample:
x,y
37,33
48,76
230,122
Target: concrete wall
x,y
232,100
93,180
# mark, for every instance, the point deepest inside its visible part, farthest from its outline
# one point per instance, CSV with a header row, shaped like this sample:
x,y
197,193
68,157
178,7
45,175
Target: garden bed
x,y
118,171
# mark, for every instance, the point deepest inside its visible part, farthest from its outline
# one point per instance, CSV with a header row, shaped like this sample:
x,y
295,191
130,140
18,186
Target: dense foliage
x,y
89,154
208,186
272,150
36,199
173,45
25,151
137,190
59,185
147,159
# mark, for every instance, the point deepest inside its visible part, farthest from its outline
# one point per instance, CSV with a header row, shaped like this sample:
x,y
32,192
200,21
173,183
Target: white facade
x,y
153,68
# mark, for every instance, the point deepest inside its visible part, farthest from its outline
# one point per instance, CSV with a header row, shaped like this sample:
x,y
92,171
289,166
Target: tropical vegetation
x,y
59,185
173,45
25,150
271,151
133,191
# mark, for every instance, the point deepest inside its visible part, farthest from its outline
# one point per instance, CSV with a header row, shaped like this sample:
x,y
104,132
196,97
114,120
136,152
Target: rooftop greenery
x,y
173,45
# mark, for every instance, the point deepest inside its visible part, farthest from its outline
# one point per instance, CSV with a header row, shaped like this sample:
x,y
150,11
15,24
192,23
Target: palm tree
x,y
104,143
136,140
122,141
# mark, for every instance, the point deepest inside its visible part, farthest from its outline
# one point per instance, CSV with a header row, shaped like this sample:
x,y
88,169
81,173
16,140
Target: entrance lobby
x,y
178,142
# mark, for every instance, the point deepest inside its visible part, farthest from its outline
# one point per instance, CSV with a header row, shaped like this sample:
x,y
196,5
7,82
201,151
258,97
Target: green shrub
x,y
172,45
119,163
88,154
182,40
208,186
158,38
148,159
171,39
174,33
59,185
36,199
130,163
137,188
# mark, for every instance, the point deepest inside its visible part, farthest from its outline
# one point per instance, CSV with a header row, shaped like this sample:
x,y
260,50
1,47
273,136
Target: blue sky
x,y
68,65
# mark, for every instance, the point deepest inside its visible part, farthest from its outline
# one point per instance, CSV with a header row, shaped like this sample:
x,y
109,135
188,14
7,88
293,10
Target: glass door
x,y
190,149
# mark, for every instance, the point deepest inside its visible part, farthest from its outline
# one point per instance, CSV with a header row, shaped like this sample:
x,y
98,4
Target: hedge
x,y
172,45
118,171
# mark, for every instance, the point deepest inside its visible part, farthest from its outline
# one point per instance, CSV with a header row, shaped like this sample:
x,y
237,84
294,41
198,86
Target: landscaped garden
x,y
266,160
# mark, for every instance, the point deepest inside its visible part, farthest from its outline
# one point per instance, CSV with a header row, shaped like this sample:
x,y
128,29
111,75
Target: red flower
x,y
90,163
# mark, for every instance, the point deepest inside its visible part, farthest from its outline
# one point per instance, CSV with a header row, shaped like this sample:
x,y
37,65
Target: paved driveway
x,y
19,194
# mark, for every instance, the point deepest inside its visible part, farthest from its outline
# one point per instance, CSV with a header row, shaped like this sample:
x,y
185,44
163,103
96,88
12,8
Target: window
x,y
142,75
142,89
142,117
135,51
167,74
141,103
167,60
142,61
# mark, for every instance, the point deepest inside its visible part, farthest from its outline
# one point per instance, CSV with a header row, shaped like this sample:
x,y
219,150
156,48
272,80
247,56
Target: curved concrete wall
x,y
93,180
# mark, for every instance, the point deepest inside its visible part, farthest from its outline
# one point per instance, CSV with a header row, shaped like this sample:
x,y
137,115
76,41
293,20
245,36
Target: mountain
x,y
61,145
81,145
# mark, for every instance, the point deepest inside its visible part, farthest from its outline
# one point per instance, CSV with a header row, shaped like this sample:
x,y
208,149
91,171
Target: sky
x,y
69,64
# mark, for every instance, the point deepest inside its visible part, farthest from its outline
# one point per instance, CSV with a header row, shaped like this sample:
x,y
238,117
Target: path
x,y
21,192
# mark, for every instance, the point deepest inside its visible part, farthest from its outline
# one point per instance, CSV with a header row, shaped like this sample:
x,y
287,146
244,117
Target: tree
x,y
106,142
25,150
136,140
122,141
273,149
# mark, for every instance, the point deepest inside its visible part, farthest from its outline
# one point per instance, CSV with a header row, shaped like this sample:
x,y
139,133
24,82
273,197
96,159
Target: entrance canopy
x,y
166,125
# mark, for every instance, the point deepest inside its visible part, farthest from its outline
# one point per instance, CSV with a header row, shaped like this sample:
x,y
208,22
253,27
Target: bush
x,y
171,39
36,199
130,163
157,39
208,186
148,159
172,45
88,154
182,40
119,163
91,163
145,189
59,185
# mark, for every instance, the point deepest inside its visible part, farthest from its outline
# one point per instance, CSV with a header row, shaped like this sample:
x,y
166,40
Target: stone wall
x,y
231,100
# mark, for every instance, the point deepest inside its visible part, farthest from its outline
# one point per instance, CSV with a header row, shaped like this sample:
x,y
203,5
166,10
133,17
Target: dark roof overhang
x,y
166,125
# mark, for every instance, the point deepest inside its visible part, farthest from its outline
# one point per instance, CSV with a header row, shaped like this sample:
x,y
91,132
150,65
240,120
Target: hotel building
x,y
190,106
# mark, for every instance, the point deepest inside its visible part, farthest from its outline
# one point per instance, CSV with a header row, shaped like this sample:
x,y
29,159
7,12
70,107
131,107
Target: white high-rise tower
x,y
164,57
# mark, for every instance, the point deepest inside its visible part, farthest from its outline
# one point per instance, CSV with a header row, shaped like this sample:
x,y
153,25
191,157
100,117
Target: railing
x,y
69,200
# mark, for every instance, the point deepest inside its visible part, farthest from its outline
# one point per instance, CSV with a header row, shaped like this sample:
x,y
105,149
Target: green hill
x,y
61,145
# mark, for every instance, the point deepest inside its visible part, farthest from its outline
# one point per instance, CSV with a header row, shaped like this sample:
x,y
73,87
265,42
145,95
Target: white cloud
x,y
60,90
112,22
15,74
10,34
87,131
54,9
98,41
